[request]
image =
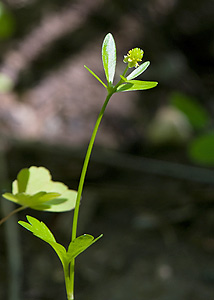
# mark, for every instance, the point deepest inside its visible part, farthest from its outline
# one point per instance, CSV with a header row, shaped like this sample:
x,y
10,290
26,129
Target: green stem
x,y
69,289
81,182
121,80
126,69
85,166
70,281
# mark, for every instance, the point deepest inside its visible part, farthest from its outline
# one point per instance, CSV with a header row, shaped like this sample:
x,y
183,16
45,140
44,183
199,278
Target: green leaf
x,y
138,70
136,85
196,114
96,76
109,57
201,150
34,188
80,244
40,230
31,201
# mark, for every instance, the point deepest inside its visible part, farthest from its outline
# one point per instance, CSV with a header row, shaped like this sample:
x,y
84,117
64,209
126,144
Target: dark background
x,y
152,201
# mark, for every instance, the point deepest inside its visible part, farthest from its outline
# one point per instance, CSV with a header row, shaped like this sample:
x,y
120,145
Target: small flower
x,y
133,57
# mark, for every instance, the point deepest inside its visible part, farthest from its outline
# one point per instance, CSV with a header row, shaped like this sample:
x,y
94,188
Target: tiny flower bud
x,y
133,57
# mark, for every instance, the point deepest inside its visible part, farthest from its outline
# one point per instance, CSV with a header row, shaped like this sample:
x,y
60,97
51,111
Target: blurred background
x,y
149,187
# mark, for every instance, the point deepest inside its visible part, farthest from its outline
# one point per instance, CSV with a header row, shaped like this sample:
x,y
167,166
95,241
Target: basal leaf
x,y
80,244
136,85
23,180
32,201
138,70
34,180
109,57
43,197
34,188
66,202
11,197
40,230
95,76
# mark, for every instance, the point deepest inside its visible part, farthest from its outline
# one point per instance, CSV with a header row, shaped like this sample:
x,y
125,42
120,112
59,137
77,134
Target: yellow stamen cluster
x,y
133,57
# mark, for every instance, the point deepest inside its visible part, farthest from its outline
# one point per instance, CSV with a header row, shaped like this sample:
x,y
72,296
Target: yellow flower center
x,y
133,57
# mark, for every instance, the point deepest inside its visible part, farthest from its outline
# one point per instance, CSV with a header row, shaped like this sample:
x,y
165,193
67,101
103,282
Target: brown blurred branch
x,y
51,28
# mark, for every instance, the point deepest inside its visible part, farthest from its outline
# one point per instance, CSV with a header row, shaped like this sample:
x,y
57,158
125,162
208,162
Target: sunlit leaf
x,y
80,244
138,71
109,57
201,149
34,188
95,76
136,85
40,230
195,112
31,201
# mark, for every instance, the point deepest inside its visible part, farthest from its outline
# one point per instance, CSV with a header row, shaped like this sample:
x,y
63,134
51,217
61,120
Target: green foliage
x,y
201,149
92,73
138,71
109,64
80,244
109,57
136,85
7,24
196,114
34,188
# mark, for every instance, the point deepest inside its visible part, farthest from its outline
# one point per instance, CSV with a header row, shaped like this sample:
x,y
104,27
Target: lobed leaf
x,y
136,85
109,57
80,244
34,188
31,201
138,71
40,230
